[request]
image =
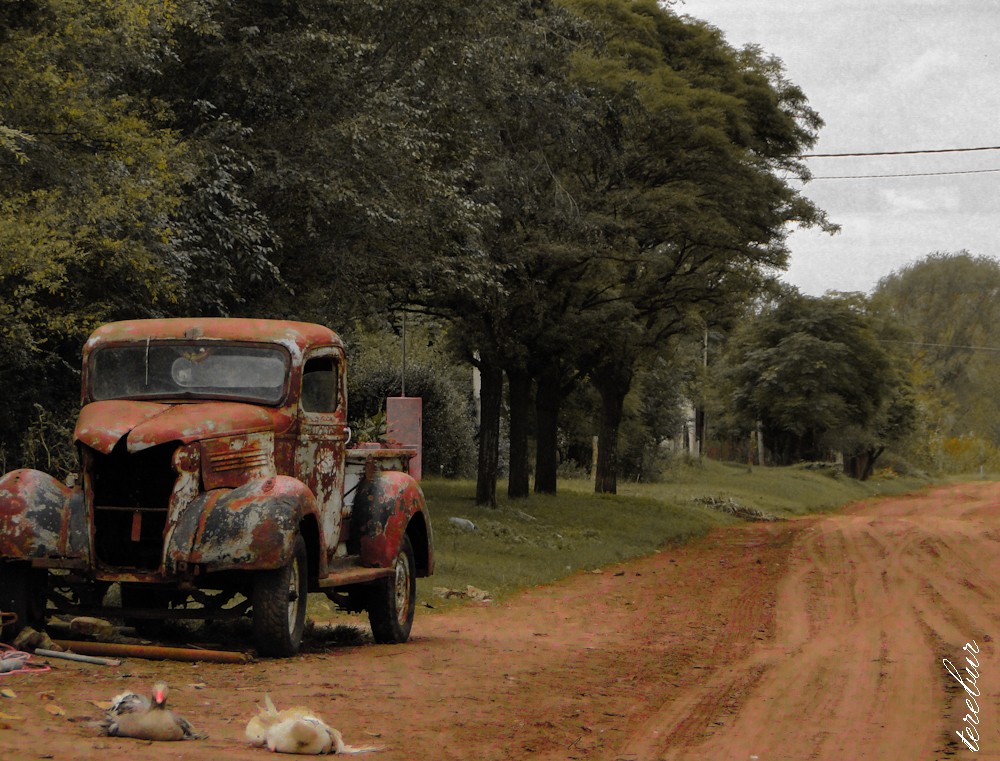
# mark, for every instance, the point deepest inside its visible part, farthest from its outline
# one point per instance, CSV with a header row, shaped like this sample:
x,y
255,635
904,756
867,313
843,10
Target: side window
x,y
319,385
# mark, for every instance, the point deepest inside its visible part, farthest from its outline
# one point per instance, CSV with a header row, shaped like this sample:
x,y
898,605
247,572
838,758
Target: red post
x,y
404,423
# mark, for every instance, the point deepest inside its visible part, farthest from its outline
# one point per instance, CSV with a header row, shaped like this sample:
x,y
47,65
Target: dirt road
x,y
821,638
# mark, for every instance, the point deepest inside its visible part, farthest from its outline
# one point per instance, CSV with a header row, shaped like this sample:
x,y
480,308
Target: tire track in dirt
x,y
873,599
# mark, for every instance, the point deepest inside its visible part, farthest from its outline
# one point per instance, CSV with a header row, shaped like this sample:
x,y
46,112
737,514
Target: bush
x,y
449,445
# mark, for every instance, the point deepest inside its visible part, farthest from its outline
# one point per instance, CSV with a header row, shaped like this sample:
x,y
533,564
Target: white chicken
x,y
297,730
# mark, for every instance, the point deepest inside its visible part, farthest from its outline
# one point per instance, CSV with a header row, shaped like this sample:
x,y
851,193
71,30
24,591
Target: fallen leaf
x,y
7,693
10,717
55,710
104,705
46,696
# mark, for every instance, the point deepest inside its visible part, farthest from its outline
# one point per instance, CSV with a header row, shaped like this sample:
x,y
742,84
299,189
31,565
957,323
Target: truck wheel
x,y
392,600
22,593
279,605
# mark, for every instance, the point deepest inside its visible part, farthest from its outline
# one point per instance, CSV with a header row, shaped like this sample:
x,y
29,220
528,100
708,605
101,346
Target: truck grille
x,y
131,500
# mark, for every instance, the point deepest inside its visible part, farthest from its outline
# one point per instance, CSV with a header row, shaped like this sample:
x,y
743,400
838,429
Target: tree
x,y
815,374
331,115
948,304
91,183
690,204
519,120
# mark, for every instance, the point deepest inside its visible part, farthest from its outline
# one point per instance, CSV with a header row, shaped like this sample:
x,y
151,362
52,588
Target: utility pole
x,y
700,418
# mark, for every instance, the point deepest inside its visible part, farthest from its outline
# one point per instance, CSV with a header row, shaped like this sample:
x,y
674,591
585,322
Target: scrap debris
x,y
13,661
731,506
469,593
154,652
79,658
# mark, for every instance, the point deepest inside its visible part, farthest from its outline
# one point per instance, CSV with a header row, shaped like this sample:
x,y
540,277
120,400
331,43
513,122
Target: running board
x,y
346,575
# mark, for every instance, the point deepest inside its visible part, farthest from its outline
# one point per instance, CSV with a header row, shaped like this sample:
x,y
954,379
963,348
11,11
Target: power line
x,y
898,153
941,346
909,174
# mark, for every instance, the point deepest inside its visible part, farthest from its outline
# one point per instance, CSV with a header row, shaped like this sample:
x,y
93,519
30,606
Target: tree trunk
x,y
873,455
548,396
519,383
491,394
700,430
612,382
861,465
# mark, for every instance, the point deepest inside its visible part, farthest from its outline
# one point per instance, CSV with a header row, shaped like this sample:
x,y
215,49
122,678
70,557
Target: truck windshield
x,y
182,370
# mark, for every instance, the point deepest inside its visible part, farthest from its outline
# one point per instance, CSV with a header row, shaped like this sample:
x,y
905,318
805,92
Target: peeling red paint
x,y
389,502
102,424
36,517
231,461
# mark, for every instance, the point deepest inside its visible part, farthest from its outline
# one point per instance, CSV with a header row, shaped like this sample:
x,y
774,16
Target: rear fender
x,y
383,508
251,527
41,517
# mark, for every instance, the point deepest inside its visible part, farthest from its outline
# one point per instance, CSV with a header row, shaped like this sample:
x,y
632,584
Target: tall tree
x,y
92,181
519,119
693,205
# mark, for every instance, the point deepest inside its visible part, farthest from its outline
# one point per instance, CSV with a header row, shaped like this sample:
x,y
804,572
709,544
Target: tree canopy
x,y
816,376
947,305
568,185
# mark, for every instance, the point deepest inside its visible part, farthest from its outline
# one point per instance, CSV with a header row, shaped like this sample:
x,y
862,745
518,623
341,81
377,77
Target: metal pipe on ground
x,y
153,652
77,657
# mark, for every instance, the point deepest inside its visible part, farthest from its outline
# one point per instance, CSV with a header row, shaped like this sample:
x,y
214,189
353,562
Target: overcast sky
x,y
886,75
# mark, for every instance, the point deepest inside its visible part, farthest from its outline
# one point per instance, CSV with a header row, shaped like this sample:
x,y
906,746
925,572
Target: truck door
x,y
323,433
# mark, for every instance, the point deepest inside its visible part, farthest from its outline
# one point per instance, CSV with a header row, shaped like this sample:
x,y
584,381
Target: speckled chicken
x,y
137,716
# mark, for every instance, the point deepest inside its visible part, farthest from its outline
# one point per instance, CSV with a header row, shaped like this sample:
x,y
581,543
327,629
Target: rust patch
x,y
37,517
382,511
102,424
246,528
232,461
191,422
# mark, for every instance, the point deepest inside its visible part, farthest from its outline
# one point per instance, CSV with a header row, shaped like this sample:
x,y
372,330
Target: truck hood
x,y
102,425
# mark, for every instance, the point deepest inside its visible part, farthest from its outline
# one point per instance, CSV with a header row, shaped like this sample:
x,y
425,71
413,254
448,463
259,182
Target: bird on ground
x,y
267,716
297,730
143,718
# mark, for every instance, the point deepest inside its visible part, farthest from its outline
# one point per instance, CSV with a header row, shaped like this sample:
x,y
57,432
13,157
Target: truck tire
x,y
22,593
279,605
392,601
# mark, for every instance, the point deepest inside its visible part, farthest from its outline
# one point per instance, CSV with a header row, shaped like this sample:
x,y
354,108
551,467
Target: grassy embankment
x,y
526,542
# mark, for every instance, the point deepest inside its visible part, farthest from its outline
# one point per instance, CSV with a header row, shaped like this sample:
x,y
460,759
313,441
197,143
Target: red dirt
x,y
820,638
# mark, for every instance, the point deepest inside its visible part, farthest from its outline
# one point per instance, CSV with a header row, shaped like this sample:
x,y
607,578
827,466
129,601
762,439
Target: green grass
x,y
523,543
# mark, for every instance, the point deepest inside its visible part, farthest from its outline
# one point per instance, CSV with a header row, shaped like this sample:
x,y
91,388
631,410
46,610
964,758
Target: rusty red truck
x,y
217,479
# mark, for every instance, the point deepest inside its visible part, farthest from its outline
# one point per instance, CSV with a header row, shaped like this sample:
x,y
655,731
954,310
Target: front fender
x,y
41,517
251,527
383,508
